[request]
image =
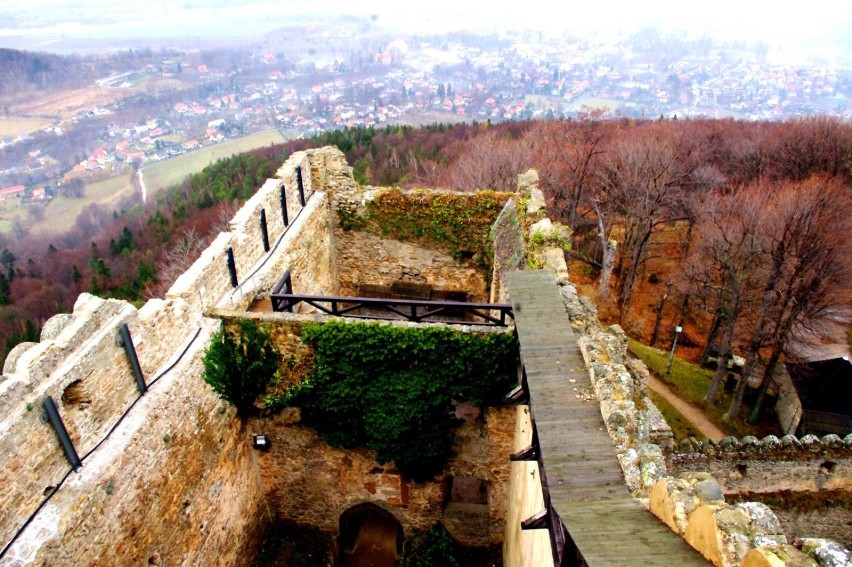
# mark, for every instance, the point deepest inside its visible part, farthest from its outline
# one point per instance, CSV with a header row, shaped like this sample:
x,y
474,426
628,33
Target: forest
x,y
738,232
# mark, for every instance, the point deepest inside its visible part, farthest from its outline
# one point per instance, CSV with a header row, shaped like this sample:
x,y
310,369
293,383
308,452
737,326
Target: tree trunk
x,y
659,314
628,279
608,254
760,336
608,264
574,203
764,385
711,336
722,363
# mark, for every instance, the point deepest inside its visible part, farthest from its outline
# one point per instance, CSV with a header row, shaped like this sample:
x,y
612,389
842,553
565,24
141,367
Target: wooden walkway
x,y
607,526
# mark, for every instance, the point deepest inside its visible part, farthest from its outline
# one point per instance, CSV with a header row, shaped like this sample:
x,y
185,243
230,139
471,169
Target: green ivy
x,y
349,220
392,388
458,224
239,367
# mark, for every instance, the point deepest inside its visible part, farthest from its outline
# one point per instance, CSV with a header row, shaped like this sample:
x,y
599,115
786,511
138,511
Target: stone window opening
x,y
468,490
75,395
827,467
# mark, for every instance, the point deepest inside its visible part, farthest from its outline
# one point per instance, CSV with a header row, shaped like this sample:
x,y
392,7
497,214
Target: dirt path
x,y
142,184
692,414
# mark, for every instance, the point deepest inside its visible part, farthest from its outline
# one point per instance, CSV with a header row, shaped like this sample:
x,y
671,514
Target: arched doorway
x,y
369,537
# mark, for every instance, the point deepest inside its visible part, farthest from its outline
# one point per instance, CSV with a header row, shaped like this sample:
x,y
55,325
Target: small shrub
x,y
238,368
431,548
349,220
537,239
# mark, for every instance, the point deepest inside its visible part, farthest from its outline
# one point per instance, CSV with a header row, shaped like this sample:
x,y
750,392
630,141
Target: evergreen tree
x,y
238,368
5,297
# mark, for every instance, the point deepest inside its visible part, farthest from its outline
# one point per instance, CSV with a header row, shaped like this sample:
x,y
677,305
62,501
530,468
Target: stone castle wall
x,y
170,477
309,482
175,480
366,258
207,282
771,464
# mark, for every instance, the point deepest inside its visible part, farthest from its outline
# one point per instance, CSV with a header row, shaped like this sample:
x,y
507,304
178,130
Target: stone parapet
x,y
747,534
168,477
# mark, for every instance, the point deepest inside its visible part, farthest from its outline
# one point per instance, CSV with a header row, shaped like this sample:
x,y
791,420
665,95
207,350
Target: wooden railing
x,y
418,311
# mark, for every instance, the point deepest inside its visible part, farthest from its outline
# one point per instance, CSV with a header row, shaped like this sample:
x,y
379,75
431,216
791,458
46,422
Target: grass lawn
x,y
691,383
170,172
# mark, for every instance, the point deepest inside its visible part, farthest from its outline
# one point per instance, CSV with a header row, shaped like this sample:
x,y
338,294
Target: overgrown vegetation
x,y
456,224
435,548
239,367
392,389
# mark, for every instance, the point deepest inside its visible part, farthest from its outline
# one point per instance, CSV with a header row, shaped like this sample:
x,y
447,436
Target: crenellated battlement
x,y
140,451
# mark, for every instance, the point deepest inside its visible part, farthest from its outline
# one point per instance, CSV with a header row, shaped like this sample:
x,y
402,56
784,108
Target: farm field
x,y
13,126
170,172
66,104
61,213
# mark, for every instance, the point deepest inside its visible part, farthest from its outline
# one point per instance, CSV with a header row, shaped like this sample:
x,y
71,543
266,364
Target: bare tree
x,y
805,241
176,261
641,183
567,153
492,162
722,265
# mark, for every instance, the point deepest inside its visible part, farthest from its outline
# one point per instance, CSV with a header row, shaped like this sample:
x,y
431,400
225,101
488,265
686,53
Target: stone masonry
x,y
170,477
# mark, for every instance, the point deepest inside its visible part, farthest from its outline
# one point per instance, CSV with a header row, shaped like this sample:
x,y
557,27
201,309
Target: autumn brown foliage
x,y
663,191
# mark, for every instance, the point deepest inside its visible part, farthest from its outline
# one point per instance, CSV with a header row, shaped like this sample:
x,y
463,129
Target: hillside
x,y
655,187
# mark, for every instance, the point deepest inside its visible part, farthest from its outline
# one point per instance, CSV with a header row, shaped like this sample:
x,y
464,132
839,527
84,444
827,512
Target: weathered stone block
x,y
719,533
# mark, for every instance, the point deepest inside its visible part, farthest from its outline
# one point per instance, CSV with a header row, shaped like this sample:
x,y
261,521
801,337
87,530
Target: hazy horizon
x,y
823,31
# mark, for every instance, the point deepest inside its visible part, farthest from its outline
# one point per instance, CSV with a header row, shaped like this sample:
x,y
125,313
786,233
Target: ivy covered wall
x,y
432,237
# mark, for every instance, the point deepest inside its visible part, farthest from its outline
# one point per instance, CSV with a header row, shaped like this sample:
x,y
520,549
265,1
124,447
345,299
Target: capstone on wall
x,y
771,464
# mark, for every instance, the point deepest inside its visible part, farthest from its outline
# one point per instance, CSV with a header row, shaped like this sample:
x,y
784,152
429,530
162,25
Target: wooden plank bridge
x,y
593,519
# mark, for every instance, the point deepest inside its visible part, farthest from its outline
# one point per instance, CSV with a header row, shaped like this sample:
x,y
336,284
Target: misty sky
x,y
777,23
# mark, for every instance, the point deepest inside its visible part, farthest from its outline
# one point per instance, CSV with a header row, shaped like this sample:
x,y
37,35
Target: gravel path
x,y
692,414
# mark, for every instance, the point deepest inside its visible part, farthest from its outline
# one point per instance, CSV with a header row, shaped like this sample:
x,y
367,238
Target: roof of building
x,y
824,385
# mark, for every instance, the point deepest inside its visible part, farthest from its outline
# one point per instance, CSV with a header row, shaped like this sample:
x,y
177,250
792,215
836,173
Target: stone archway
x,y
369,536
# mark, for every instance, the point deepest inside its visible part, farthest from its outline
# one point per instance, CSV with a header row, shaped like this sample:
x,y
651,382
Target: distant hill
x,y
24,71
